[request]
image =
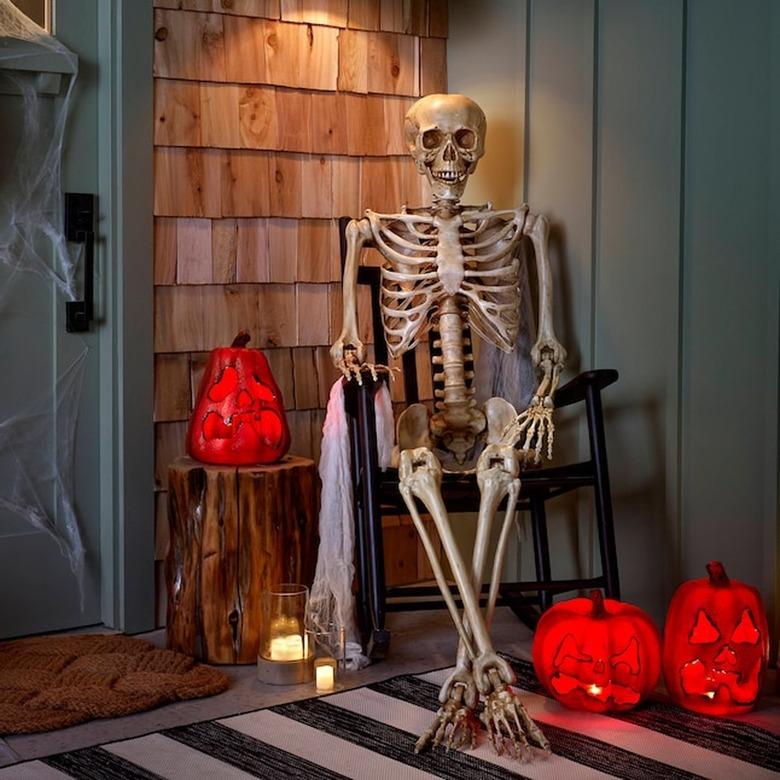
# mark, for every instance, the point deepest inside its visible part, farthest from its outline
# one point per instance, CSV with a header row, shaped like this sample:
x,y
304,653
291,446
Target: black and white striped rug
x,y
370,733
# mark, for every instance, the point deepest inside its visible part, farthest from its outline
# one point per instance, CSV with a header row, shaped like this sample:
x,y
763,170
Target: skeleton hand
x,y
535,424
508,724
455,724
348,355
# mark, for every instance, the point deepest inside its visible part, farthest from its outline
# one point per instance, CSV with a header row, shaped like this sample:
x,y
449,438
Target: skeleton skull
x,y
445,135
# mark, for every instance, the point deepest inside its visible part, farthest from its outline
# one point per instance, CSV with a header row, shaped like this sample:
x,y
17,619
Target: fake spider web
x,y
37,440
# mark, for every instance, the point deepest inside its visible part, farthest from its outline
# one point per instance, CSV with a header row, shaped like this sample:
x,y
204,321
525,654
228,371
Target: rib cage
x,y
428,259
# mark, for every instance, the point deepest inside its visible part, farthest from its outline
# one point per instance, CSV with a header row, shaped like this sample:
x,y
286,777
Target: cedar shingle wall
x,y
273,118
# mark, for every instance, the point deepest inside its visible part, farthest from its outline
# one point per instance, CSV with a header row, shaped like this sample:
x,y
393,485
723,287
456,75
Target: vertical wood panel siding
x,y
637,269
271,120
652,152
559,183
730,292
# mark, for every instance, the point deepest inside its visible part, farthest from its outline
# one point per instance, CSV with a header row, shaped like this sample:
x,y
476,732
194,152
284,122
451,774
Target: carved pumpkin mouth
x,y
620,694
719,682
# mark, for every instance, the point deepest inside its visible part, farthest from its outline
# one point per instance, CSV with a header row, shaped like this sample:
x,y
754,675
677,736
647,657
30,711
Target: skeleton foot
x,y
508,725
455,725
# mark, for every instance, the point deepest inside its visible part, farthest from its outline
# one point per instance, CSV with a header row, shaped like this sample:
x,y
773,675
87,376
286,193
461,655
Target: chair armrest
x,y
577,388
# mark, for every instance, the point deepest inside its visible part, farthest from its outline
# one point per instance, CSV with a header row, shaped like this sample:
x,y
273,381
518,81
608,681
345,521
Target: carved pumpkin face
x,y
597,654
238,418
716,644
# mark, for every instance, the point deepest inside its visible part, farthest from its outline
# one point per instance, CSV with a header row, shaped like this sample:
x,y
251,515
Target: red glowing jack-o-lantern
x,y
716,644
238,418
597,654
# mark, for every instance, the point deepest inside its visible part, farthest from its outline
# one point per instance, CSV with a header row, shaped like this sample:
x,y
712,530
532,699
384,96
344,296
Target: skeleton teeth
x,y
450,177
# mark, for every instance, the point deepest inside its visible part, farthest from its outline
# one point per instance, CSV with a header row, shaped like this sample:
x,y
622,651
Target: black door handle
x,y
79,229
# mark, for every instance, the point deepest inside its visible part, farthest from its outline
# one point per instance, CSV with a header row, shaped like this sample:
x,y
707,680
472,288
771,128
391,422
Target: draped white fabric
x,y
332,601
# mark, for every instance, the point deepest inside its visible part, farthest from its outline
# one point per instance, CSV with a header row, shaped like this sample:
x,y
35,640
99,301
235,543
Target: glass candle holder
x,y
325,674
330,643
286,655
329,655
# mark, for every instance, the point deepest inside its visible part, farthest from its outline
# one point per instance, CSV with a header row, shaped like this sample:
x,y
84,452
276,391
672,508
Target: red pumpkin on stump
x,y
238,418
597,654
716,644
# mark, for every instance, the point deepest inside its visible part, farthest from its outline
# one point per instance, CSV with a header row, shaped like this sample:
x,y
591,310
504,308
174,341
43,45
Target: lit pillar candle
x,y
287,648
323,680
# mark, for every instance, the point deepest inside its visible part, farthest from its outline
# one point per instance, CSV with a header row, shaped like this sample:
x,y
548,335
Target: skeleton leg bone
x,y
420,476
458,694
504,716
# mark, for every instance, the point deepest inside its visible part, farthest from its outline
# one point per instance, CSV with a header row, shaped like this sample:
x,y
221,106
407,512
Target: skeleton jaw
x,y
446,185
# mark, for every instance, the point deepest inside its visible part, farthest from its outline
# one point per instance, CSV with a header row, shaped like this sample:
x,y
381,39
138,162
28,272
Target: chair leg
x,y
602,494
362,568
541,549
373,587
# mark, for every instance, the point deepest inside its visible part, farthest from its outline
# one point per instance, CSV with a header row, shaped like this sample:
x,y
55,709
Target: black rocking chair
x,y
376,495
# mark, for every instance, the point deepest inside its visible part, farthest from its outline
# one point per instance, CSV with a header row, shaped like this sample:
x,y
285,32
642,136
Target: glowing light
x,y
710,694
324,678
287,648
595,690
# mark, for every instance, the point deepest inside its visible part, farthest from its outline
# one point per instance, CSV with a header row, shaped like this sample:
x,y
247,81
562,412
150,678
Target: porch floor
x,y
421,641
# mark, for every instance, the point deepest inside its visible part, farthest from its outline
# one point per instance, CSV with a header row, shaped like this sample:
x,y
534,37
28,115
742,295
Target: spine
x,y
453,383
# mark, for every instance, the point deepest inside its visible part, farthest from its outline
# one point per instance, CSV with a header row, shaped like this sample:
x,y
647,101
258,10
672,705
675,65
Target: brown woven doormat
x,y
51,682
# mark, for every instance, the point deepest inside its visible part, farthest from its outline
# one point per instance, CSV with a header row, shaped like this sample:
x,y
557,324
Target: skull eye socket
x,y
704,631
465,138
432,138
746,632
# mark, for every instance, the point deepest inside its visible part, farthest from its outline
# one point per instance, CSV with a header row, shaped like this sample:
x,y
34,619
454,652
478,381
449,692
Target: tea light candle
x,y
287,648
323,677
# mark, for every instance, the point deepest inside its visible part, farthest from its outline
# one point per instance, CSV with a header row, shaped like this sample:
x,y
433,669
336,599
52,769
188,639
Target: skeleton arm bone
x,y
538,230
535,425
358,235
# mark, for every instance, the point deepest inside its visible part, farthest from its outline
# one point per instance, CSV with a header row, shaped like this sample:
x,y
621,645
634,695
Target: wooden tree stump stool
x,y
235,532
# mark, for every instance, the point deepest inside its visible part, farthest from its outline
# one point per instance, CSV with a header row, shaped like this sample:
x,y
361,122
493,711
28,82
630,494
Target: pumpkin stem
x,y
241,340
597,597
717,573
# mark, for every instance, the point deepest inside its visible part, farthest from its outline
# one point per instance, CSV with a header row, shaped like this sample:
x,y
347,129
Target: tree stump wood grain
x,y
234,532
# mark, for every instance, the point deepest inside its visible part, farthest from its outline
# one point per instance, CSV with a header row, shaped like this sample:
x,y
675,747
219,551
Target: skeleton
x,y
452,268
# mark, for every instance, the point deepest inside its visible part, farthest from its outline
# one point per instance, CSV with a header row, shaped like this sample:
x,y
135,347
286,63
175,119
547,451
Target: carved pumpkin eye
x,y
225,385
704,631
746,632
432,138
628,656
465,138
569,650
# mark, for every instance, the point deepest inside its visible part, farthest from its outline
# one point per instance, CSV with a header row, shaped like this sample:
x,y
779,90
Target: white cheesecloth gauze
x,y
331,601
37,427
